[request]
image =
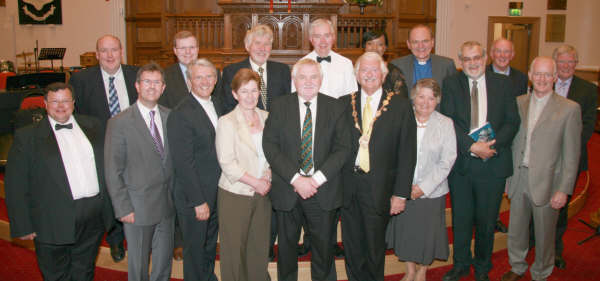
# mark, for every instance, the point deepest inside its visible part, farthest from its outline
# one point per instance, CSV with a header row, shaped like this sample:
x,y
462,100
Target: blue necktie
x,y
113,99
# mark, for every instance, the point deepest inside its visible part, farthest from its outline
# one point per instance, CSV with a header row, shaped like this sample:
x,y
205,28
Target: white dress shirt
x,y
157,120
318,176
375,98
338,75
210,110
120,86
78,158
536,106
481,98
562,86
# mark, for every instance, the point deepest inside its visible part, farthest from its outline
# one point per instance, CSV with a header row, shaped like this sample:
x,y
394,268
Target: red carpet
x,y
583,261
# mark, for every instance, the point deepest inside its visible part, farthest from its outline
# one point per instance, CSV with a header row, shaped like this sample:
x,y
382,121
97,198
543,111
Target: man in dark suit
x,y
502,52
191,131
306,141
422,63
477,180
139,174
275,76
55,191
378,174
185,48
103,91
586,95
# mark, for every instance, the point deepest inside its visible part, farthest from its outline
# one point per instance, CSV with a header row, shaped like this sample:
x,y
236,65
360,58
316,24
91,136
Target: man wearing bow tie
x,y
338,75
55,191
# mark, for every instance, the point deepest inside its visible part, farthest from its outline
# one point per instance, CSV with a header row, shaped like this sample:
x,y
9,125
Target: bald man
x,y
502,53
102,91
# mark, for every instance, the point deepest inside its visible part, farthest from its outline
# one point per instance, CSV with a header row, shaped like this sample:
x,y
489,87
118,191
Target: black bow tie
x,y
327,58
60,126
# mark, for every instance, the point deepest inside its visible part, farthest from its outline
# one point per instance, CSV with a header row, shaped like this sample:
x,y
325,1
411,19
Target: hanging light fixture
x,y
363,3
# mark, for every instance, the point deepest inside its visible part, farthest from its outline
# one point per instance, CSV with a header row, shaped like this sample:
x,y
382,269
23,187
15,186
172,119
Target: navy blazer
x,y
279,83
90,93
502,113
519,79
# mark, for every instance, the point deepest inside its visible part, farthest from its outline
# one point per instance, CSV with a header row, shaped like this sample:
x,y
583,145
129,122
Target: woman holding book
x,y
418,235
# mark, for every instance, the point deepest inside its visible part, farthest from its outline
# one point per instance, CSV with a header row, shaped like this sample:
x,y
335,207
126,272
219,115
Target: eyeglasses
x,y
57,102
148,82
416,42
570,62
546,75
472,59
188,48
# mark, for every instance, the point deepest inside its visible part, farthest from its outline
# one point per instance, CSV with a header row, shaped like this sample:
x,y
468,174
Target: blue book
x,y
484,133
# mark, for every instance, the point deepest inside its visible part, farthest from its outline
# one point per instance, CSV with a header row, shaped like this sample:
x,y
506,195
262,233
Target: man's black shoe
x,y
338,251
481,277
303,249
456,273
500,227
559,262
117,252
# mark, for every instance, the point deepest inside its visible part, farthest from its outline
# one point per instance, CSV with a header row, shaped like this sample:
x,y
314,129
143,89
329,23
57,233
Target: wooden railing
x,y
350,29
208,28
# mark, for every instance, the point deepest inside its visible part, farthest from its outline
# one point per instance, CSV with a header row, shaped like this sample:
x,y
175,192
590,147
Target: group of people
x,y
184,156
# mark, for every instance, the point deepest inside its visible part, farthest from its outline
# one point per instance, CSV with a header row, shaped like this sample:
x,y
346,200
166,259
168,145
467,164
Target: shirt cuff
x,y
319,177
294,178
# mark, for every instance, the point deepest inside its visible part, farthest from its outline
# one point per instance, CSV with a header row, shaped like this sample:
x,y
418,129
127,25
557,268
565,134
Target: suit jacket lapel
x,y
320,124
52,156
101,90
411,69
163,118
204,116
548,110
142,129
294,110
466,98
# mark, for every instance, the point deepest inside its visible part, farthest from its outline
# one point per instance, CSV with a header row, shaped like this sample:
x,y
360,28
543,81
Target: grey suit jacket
x,y
555,148
138,180
441,67
436,156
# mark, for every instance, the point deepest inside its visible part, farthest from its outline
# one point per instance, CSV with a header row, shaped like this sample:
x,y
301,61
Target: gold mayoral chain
x,y
365,138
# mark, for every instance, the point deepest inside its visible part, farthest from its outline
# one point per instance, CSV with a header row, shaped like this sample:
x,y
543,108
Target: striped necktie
x,y
113,104
156,136
306,157
263,88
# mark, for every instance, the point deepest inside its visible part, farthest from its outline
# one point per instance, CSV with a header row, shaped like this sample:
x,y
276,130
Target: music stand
x,y
52,54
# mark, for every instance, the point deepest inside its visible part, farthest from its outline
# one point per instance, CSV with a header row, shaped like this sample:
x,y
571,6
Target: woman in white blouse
x,y
418,235
243,205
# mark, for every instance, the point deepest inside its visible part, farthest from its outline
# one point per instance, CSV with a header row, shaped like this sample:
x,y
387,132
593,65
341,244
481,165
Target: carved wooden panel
x,y
221,25
240,25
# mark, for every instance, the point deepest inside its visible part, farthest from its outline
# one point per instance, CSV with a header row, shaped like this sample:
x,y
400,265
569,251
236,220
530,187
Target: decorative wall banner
x,y
40,12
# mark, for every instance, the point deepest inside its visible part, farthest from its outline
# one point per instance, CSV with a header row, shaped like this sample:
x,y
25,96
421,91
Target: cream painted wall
x,y
463,20
83,22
